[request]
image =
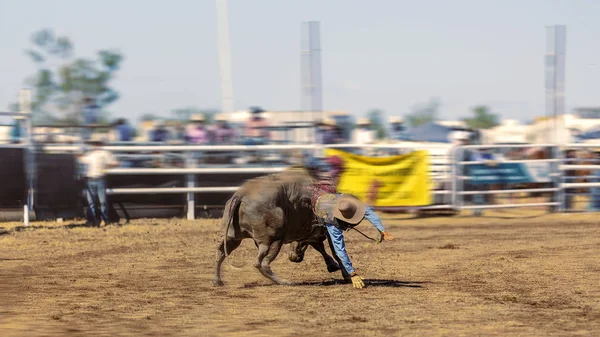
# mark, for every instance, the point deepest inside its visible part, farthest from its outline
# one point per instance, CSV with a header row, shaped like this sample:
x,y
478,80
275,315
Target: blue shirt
x,y
159,135
125,132
16,132
90,114
337,238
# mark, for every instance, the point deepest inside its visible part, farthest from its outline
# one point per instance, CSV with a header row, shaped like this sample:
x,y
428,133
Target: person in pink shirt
x,y
196,132
222,133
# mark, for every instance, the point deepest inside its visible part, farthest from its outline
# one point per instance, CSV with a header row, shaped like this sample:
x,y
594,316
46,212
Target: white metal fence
x,y
449,171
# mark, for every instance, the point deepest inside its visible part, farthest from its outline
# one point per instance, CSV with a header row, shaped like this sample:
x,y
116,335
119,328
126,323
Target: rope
x,y
366,236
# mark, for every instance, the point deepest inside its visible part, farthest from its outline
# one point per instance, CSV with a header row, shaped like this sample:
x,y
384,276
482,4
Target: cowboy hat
x,y
97,139
197,118
396,120
460,135
327,121
220,118
349,209
363,121
344,207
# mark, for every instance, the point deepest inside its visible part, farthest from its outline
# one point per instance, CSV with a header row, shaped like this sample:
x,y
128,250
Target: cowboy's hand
x,y
357,281
385,236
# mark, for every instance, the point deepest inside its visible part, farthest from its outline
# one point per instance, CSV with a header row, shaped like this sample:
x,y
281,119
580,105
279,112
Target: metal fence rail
x,y
439,165
448,171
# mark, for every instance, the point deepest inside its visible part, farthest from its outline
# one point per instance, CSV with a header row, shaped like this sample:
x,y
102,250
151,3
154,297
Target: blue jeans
x,y
96,190
337,238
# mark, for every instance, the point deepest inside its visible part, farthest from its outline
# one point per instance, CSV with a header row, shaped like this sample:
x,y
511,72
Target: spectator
x,y
256,130
327,133
570,176
196,132
363,135
17,132
123,130
179,132
91,116
485,156
222,133
398,130
159,133
97,161
594,201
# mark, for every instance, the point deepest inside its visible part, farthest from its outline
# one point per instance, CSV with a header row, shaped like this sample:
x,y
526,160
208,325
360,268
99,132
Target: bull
x,y
272,210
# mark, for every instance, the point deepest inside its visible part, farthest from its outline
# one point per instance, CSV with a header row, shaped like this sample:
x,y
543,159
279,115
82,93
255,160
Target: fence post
x,y
25,108
191,204
453,172
559,179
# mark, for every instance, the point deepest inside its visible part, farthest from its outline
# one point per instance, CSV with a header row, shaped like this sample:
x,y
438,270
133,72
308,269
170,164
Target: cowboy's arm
x,y
376,222
374,219
337,239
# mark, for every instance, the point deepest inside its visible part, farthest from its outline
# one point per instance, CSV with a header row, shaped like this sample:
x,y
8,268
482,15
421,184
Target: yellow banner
x,y
386,181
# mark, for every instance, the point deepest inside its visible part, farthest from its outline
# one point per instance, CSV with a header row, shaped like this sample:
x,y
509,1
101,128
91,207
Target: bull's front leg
x,y
266,254
332,266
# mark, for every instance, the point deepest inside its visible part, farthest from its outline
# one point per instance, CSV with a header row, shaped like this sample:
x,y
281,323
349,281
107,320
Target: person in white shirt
x,y
97,161
363,135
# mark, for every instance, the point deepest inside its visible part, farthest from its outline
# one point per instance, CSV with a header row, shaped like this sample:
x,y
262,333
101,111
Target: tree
x,y
424,113
62,80
376,119
148,116
482,119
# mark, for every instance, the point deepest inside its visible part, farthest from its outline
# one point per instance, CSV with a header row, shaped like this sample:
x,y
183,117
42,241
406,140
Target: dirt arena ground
x,y
507,273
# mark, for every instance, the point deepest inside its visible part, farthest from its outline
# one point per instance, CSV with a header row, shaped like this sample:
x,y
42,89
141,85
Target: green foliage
x,y
483,118
377,123
148,116
424,113
62,81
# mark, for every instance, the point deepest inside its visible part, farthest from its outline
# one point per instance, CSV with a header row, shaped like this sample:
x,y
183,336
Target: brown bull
x,y
272,210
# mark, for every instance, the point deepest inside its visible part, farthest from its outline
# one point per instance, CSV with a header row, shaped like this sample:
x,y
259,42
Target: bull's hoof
x,y
333,268
218,283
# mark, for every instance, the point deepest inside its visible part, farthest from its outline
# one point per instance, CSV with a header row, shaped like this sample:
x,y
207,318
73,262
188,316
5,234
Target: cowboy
x,y
256,128
91,115
222,133
97,161
326,132
17,130
340,212
397,128
196,132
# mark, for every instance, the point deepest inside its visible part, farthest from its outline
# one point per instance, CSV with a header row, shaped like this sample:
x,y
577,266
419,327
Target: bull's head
x,y
297,250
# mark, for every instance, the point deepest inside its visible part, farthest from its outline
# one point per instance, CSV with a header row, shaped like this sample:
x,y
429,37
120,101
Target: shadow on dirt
x,y
368,283
4,231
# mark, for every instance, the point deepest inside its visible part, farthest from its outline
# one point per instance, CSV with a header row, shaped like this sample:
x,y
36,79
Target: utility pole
x,y
556,40
310,53
224,57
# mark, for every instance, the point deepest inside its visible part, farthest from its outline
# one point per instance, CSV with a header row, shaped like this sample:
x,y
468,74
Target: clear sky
x,y
390,54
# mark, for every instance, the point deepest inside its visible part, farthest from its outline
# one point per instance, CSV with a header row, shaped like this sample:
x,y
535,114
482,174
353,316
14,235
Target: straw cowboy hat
x,y
19,117
344,207
363,121
197,118
220,118
460,135
396,120
327,121
96,138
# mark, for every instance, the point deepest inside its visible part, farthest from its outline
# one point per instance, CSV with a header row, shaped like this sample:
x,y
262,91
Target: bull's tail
x,y
234,212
